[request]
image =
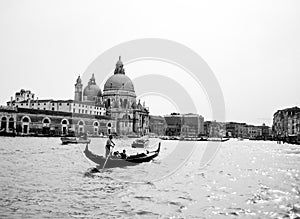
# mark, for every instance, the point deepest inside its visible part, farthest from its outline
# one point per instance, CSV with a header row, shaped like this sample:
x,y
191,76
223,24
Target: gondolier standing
x,y
109,144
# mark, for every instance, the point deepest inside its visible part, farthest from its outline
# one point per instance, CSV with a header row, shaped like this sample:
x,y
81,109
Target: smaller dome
x,y
92,90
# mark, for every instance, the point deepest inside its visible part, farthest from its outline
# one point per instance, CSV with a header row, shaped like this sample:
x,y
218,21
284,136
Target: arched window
x,y
80,122
25,125
11,123
3,123
64,126
96,128
80,127
46,121
25,119
64,122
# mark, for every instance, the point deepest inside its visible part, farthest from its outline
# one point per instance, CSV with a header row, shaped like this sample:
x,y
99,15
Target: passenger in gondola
x,y
117,154
109,144
123,154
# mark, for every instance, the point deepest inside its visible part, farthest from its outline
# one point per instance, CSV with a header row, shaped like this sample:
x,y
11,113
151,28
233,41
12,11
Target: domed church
x,y
119,99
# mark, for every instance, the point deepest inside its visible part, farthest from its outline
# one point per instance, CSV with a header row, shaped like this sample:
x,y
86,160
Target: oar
x,y
107,159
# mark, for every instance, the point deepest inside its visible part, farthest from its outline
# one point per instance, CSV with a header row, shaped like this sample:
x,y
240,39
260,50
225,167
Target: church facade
x,y
115,111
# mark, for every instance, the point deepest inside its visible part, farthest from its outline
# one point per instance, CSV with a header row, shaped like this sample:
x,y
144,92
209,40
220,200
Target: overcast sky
x,y
253,47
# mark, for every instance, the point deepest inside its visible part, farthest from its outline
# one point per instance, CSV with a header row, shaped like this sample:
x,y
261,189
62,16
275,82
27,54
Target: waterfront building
x,y
286,124
266,132
114,111
243,130
184,125
30,121
253,132
157,125
235,129
214,129
174,122
192,125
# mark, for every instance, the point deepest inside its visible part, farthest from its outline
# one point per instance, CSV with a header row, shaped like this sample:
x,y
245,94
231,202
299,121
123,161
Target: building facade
x,y
174,123
157,125
184,125
192,125
215,129
286,124
113,111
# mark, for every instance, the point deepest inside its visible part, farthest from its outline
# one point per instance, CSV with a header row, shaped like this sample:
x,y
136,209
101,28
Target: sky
x,y
252,47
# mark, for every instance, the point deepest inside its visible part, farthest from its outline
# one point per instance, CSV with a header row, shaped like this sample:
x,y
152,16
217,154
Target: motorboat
x,y
74,140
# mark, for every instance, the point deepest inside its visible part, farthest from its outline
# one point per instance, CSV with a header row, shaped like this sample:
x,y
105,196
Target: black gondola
x,y
118,162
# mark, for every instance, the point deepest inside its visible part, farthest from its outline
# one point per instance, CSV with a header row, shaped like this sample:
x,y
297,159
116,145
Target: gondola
x,y
118,162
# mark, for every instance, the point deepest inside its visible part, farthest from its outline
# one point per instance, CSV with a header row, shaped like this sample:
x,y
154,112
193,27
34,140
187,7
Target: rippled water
x,y
40,178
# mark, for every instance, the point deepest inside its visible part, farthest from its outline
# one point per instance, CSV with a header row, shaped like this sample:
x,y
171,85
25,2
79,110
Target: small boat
x,y
74,140
119,162
133,135
140,143
193,139
164,137
218,139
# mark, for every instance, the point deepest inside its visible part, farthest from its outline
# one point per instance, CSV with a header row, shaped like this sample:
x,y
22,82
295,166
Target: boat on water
x,y
218,139
140,143
74,140
164,137
119,162
193,139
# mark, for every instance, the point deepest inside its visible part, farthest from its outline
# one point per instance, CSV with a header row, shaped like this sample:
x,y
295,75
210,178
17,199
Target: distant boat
x,y
140,143
119,162
164,137
218,139
74,140
240,139
193,139
133,135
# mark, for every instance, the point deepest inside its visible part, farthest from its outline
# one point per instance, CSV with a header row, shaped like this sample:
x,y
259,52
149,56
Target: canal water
x,y
40,178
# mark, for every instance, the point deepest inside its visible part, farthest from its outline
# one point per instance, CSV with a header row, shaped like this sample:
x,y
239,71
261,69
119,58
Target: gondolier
x,y
109,144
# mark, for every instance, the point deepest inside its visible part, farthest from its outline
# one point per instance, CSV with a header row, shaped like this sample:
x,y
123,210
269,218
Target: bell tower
x,y
78,90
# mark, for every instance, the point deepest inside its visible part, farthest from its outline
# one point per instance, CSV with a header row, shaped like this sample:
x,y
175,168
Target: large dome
x,y
119,82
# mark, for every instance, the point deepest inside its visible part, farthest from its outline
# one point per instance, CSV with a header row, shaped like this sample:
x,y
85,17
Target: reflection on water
x,y
39,177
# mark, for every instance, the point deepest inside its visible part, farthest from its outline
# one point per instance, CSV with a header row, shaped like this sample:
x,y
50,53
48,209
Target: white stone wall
x,y
62,106
88,109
